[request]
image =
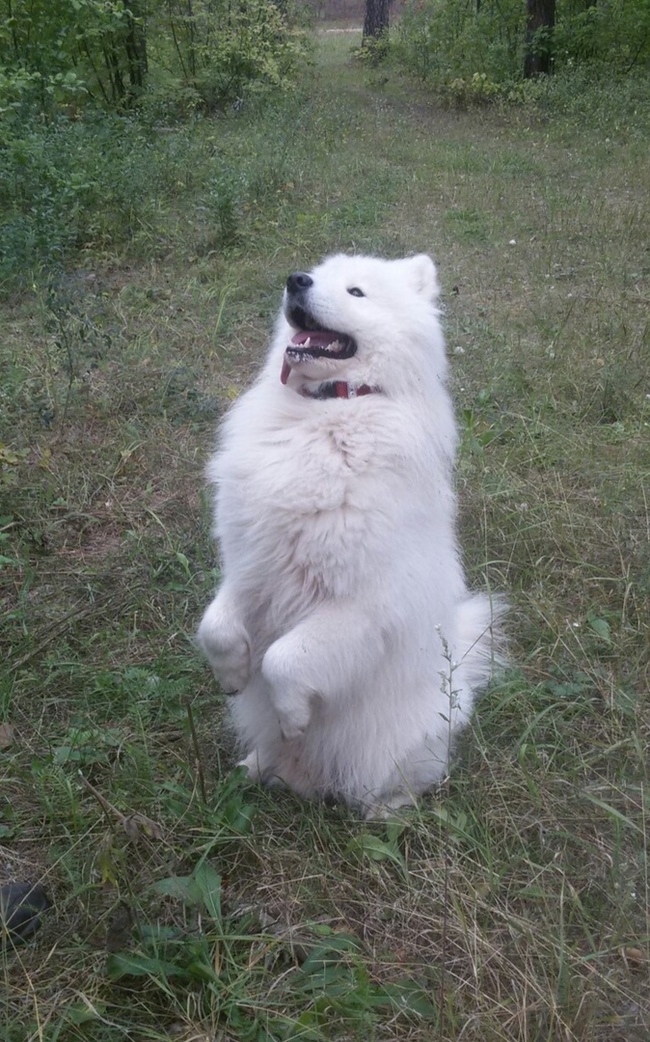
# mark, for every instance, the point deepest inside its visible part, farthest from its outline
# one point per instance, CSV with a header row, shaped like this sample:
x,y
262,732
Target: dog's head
x,y
358,318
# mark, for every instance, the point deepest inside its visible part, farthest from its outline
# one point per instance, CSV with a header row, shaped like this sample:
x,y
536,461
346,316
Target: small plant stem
x,y
107,807
197,753
445,846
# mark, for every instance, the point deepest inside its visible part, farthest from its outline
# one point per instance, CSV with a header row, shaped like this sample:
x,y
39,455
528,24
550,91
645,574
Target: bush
x,y
250,50
57,54
95,181
450,40
444,40
373,51
614,34
479,90
588,95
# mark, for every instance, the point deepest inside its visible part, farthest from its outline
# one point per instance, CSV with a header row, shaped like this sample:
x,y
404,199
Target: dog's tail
x,y
480,648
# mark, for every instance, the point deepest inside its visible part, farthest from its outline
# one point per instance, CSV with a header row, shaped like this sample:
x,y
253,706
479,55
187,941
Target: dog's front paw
x,y
291,701
230,665
294,720
227,648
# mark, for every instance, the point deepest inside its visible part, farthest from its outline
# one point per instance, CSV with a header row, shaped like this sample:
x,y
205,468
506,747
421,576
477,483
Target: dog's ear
x,y
424,275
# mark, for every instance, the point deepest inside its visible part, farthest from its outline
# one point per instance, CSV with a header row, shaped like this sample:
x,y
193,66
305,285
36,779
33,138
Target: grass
x,y
189,905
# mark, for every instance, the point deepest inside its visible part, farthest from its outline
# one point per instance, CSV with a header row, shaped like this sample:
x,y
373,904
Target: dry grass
x,y
514,904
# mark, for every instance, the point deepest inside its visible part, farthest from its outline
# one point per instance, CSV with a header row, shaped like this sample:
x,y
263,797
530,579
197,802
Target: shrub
x,y
58,54
614,34
447,40
373,51
478,90
251,50
443,40
68,184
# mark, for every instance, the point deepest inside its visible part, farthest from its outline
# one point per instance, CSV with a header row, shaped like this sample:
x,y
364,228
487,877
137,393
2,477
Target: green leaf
x,y
617,815
600,626
84,1012
11,562
409,997
181,888
130,964
371,846
238,816
323,957
201,970
208,883
202,887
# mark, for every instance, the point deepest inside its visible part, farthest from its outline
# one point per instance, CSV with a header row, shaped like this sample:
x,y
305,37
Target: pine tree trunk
x,y
376,20
539,46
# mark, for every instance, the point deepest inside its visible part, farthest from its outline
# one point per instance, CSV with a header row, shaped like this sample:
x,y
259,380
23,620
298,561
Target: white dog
x,y
343,622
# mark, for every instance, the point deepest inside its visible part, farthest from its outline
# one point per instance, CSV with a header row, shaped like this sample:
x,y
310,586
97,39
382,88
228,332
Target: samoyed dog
x,y
343,626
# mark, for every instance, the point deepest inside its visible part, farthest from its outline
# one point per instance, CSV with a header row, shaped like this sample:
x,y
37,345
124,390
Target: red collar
x,y
338,389
331,388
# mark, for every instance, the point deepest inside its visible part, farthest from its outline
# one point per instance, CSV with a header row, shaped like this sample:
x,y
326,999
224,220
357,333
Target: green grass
x,y
187,904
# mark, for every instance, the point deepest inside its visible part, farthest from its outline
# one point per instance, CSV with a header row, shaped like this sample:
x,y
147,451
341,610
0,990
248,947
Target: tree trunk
x,y
539,37
112,62
135,43
376,20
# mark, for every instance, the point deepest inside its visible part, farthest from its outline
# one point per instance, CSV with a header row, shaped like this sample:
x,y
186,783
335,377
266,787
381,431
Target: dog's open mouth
x,y
311,344
320,343
312,341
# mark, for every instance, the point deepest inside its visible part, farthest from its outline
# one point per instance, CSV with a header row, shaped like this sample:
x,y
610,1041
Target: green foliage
x,y
615,34
106,51
587,93
445,40
226,191
73,174
67,184
331,985
452,42
223,49
57,51
369,846
479,89
373,51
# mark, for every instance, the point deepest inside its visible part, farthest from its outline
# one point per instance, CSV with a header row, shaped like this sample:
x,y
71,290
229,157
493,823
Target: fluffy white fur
x,y
343,621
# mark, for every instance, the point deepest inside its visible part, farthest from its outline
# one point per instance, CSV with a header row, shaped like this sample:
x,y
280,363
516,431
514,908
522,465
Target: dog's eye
x,y
356,292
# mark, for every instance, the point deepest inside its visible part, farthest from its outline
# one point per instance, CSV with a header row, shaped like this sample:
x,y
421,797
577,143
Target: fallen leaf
x,y
136,825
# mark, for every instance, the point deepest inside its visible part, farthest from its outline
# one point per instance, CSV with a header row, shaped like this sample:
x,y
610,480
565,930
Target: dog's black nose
x,y
299,281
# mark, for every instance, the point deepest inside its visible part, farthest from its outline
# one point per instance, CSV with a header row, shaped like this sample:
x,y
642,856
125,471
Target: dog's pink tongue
x,y
286,369
320,338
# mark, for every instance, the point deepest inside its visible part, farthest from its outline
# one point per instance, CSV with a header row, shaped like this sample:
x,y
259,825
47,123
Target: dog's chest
x,y
316,467
314,501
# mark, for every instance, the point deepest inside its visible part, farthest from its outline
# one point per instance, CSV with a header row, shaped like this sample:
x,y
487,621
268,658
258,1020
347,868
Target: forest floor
x,y
187,904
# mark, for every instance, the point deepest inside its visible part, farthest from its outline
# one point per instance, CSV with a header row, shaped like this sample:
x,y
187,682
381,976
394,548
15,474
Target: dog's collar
x,y
338,389
331,388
